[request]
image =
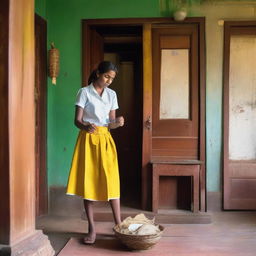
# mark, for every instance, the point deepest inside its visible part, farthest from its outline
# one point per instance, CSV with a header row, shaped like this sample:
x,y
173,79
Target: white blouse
x,y
96,108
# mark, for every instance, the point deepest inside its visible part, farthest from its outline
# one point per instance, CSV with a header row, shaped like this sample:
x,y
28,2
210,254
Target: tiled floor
x,y
229,233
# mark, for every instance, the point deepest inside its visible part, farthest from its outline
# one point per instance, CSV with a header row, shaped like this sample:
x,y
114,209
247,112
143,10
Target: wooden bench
x,y
185,168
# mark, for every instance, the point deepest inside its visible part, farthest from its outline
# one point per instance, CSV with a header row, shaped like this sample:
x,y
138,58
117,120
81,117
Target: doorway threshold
x,y
163,216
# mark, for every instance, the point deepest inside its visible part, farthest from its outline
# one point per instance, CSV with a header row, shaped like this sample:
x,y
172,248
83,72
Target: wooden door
x,y
175,131
93,52
176,128
97,49
239,116
40,119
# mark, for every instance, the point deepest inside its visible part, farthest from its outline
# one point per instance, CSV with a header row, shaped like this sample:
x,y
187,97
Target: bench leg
x,y
196,191
155,191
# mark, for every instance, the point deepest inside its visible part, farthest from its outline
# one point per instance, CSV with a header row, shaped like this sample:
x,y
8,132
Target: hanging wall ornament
x,y
182,7
54,67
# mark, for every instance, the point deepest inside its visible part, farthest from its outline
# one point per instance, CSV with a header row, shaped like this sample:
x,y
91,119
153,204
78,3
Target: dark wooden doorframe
x,y
147,99
5,185
40,115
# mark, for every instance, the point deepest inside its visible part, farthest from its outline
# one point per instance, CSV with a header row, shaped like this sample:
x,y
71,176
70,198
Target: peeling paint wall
x,y
216,12
242,104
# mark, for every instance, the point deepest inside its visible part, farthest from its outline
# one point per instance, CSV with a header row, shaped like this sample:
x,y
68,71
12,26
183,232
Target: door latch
x,y
148,123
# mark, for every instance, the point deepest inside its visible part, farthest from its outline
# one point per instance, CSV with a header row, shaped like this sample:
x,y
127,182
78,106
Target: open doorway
x,y
136,45
122,45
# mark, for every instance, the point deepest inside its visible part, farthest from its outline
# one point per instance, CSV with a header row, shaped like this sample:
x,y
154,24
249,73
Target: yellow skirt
x,y
94,171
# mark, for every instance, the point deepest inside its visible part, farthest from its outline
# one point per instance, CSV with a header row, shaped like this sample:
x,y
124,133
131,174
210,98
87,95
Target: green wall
x,y
40,8
64,29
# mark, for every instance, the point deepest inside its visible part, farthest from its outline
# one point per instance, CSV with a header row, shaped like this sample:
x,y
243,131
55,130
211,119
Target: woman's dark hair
x,y
104,67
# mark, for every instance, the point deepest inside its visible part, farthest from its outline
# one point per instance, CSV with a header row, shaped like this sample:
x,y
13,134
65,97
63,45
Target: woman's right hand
x,y
90,128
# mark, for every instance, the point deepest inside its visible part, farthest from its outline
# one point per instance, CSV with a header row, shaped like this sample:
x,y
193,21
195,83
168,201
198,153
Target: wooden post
x,y
17,178
147,116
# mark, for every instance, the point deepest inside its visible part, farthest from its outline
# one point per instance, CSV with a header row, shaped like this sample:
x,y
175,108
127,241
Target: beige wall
x,y
215,12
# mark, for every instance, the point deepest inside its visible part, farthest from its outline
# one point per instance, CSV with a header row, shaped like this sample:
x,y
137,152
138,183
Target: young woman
x,y
94,173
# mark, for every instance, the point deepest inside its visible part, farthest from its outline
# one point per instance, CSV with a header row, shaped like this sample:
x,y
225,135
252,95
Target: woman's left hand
x,y
120,121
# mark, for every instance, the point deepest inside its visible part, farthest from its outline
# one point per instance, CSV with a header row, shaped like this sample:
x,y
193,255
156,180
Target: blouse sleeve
x,y
81,98
114,102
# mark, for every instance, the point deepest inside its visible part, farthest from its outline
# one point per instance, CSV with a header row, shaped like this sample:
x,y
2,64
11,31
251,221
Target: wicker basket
x,y
138,242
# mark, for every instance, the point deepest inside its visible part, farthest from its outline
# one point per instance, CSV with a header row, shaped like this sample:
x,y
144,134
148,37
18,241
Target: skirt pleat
x,y
94,173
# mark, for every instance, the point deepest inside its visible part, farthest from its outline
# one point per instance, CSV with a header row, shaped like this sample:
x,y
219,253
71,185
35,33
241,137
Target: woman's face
x,y
105,79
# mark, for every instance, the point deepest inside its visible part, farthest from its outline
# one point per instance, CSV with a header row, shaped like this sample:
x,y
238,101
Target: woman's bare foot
x,y
90,238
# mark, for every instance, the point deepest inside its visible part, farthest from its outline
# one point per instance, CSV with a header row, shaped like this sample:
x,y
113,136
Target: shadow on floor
x,y
229,233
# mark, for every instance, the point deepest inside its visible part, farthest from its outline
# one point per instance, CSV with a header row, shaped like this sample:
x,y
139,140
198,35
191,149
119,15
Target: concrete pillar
x,y
18,235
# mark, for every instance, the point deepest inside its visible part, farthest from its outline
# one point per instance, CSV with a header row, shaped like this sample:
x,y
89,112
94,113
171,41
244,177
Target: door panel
x,y
97,49
174,85
166,148
175,128
240,112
